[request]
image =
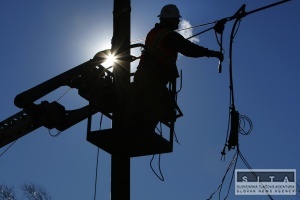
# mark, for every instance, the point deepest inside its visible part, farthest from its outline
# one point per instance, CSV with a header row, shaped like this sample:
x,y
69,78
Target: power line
x,y
196,26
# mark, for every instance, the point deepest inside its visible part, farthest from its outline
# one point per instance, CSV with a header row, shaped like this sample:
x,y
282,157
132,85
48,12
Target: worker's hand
x,y
217,54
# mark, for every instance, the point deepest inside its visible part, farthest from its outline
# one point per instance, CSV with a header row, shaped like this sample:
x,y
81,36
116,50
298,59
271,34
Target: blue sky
x,y
41,39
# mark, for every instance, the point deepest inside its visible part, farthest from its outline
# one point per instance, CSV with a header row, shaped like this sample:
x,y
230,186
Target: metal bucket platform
x,y
129,143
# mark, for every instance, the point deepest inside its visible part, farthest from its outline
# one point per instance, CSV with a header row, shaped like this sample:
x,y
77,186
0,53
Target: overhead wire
x,y
187,28
242,121
196,26
231,88
231,108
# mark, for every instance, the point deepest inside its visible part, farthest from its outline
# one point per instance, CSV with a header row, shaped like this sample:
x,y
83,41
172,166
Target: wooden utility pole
x,y
120,165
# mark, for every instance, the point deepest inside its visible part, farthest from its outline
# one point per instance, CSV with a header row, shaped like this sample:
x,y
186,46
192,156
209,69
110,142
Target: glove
x,y
220,56
217,54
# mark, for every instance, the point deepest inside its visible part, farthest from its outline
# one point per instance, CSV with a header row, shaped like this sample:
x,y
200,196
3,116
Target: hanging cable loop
x,y
160,176
236,122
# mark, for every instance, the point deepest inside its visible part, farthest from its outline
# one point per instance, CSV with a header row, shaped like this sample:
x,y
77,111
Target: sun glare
x,y
110,60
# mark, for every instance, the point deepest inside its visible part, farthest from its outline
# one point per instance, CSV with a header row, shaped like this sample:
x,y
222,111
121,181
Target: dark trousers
x,y
148,103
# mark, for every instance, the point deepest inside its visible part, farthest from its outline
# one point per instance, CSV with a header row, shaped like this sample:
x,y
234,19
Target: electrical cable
x,y
220,42
238,27
236,122
64,93
54,135
196,26
97,162
49,131
250,169
176,139
159,129
160,133
8,147
59,132
96,176
243,120
233,161
223,153
231,89
160,177
232,175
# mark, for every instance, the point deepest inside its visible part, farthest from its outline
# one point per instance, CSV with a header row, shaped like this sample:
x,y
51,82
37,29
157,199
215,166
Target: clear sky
x,y
41,39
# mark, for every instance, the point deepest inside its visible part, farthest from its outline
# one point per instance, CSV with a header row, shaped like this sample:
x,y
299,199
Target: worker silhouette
x,y
157,67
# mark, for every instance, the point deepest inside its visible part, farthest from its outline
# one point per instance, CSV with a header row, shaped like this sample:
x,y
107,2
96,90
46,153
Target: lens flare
x,y
110,60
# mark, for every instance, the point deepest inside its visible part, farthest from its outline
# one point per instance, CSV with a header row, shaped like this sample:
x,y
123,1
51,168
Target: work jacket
x,y
158,61
157,50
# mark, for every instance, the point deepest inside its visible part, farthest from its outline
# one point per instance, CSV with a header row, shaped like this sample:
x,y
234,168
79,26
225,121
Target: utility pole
x,y
120,165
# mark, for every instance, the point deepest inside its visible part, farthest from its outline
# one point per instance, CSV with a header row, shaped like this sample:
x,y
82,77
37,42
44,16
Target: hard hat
x,y
169,11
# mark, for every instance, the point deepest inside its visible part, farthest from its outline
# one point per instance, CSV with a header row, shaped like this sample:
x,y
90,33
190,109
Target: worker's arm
x,y
179,43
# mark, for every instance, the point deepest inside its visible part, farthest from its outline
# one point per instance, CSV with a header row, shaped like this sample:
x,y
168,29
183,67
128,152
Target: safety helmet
x,y
169,11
